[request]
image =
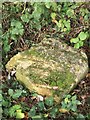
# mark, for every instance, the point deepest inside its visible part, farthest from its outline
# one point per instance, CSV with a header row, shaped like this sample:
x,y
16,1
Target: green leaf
x,y
74,98
88,115
32,112
25,17
69,105
59,7
36,15
78,102
53,112
60,24
53,15
13,23
63,104
6,112
66,100
17,94
74,108
18,25
1,98
16,107
19,114
10,92
38,26
47,4
70,13
76,45
49,101
68,96
54,6
74,40
80,116
5,103
53,83
20,31
14,31
12,110
6,48
86,17
82,36
13,37
37,117
67,24
80,43
41,106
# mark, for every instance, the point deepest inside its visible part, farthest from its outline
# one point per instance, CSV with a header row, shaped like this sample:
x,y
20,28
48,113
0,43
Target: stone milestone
x,y
50,68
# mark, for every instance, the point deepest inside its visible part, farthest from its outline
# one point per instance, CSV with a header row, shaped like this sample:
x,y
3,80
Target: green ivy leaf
x,y
12,110
10,92
74,98
48,4
82,36
14,31
86,17
66,100
25,17
63,104
53,15
70,13
18,25
49,101
60,24
38,26
13,23
53,112
17,94
41,106
74,108
74,40
20,31
76,45
67,24
6,48
78,102
32,112
19,114
5,103
80,43
13,37
80,116
69,105
37,117
54,6
88,116
36,15
53,83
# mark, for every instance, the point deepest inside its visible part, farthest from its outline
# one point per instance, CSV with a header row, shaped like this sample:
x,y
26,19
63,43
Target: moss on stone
x,y
55,78
49,68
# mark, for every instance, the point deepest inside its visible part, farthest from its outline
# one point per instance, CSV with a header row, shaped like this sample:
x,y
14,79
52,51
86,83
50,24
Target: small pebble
x,y
39,98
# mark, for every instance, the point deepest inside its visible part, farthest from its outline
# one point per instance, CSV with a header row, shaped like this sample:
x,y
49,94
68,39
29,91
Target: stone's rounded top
x,y
50,68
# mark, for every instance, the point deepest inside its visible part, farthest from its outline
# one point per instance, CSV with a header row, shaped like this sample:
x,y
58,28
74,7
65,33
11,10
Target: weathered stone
x,y
50,68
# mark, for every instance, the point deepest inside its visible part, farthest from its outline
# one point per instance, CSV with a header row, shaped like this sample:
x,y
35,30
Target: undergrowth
x,y
25,24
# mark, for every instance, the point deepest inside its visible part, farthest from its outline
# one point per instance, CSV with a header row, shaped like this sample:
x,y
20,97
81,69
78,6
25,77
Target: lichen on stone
x,y
50,68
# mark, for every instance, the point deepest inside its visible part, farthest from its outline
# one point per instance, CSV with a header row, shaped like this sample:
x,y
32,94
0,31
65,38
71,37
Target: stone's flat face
x,y
50,68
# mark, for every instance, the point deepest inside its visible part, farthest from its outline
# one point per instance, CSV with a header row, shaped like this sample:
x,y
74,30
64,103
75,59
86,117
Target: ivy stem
x,y
24,7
